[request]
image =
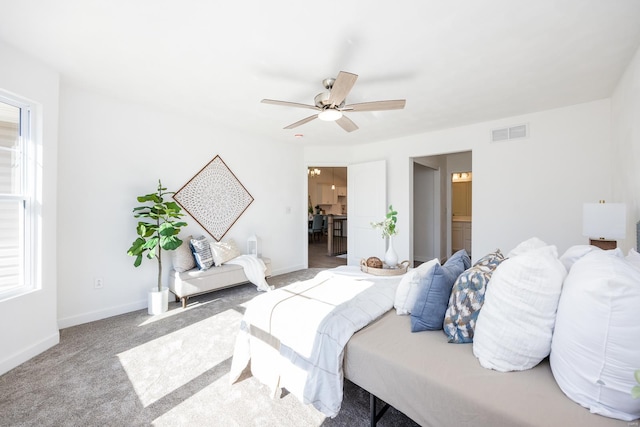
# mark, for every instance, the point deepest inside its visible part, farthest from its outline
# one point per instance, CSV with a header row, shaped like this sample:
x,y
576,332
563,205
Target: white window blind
x,y
15,200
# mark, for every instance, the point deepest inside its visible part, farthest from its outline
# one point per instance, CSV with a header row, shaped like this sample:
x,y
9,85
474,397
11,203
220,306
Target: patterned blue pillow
x,y
435,288
202,252
467,297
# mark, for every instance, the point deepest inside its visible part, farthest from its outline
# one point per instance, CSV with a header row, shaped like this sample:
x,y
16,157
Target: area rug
x,y
165,370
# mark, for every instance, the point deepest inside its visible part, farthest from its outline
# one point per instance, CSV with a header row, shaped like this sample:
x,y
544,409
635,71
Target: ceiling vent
x,y
513,132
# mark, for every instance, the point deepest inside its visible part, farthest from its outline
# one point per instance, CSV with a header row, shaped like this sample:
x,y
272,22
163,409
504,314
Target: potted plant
x,y
157,229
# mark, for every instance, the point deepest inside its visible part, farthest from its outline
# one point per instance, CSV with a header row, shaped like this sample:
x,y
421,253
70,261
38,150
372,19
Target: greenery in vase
x,y
635,391
158,229
388,225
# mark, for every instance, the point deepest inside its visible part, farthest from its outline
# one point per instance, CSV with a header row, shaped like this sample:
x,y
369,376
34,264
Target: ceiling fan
x,y
331,104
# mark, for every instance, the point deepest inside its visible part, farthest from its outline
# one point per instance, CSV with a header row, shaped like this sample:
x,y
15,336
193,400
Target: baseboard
x,y
67,322
92,316
288,270
28,353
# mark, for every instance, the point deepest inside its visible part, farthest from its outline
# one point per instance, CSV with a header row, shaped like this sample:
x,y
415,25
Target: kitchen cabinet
x,y
342,191
326,195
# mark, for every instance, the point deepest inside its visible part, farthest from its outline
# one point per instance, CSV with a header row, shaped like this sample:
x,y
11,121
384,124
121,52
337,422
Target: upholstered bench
x,y
195,281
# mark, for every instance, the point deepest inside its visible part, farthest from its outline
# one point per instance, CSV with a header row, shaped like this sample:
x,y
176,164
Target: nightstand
x,y
604,244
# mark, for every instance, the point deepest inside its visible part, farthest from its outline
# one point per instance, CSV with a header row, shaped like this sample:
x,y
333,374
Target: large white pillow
x,y
526,246
596,342
409,287
574,253
633,258
514,328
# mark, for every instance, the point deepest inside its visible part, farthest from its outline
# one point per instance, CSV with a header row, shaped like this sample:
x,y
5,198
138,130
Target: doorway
x,y
432,198
461,190
327,196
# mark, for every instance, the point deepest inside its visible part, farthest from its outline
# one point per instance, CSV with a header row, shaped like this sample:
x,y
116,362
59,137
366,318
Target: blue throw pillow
x,y
430,307
202,252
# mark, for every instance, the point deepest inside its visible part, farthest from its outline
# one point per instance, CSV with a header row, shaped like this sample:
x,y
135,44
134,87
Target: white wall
x,y
521,188
110,152
29,322
625,106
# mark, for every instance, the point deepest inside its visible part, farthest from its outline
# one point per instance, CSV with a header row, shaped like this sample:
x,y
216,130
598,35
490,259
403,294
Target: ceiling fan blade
x,y
345,123
301,122
288,104
341,87
397,104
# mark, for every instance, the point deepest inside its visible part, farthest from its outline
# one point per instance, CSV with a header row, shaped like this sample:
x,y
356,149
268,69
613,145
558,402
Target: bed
x,y
309,336
294,337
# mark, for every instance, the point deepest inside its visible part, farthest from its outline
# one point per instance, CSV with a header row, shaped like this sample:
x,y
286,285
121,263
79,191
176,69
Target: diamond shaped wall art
x,y
214,198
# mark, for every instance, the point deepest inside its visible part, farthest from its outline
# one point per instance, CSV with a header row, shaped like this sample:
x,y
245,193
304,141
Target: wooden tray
x,y
400,269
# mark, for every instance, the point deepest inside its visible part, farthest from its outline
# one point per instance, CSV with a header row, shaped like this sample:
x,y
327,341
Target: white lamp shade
x,y
604,220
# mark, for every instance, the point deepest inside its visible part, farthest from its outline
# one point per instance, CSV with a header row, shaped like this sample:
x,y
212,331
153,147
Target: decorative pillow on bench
x,y
202,252
182,257
223,252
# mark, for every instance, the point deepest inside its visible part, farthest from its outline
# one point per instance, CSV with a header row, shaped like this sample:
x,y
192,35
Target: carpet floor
x,y
165,370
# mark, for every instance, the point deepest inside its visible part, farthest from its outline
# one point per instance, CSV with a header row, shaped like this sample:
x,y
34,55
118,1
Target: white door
x,y
426,213
367,189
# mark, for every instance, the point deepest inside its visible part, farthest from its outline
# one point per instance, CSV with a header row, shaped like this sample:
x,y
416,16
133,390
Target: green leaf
x,y
136,247
170,243
149,198
636,374
635,392
151,243
138,261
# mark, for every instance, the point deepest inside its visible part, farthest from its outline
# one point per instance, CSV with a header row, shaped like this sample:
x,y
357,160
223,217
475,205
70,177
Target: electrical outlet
x,y
98,284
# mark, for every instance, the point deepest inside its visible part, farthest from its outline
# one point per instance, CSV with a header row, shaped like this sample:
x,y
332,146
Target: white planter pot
x,y
158,301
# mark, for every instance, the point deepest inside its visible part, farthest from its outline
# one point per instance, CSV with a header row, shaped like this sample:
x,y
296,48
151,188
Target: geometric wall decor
x,y
214,198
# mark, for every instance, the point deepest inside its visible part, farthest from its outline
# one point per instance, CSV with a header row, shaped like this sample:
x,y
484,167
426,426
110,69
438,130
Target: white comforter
x,y
295,336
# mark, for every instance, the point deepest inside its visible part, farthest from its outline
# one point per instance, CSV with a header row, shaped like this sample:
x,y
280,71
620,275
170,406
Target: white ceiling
x,y
455,62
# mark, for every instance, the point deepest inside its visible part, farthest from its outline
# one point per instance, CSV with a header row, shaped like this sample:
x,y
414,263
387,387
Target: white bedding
x,y
295,336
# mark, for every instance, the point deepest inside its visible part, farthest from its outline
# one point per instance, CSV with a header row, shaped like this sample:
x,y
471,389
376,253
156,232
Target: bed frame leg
x,y
373,417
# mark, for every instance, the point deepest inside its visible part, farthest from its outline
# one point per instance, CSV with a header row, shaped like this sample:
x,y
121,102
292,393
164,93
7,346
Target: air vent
x,y
513,132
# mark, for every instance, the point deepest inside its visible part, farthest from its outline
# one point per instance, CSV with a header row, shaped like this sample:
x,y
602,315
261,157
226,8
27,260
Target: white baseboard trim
x,y
67,322
79,319
288,270
19,358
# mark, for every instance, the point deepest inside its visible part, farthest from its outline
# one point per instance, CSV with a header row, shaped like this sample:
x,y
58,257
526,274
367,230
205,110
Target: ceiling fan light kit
x,y
330,115
331,104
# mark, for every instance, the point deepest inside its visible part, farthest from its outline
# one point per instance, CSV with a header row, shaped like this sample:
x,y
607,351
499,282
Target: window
x,y
17,181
